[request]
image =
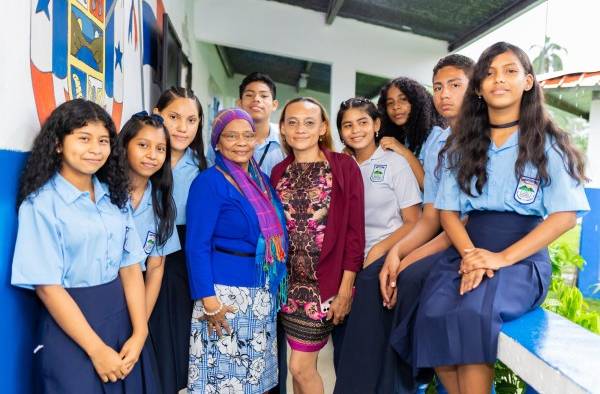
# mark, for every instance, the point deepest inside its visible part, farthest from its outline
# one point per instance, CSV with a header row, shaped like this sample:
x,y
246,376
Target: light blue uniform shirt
x,y
429,159
273,156
184,173
64,238
146,225
525,196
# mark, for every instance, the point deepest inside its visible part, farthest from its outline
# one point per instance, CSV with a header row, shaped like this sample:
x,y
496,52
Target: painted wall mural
x,y
93,49
101,50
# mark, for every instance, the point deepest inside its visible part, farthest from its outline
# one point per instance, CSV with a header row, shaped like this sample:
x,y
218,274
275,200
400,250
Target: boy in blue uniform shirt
x,y
258,98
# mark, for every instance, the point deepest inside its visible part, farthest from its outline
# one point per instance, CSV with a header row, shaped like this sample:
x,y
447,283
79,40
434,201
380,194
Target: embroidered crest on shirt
x,y
150,242
378,172
527,189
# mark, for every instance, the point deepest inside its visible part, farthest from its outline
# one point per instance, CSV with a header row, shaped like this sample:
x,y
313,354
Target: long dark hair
x,y
163,204
421,119
44,160
197,145
467,146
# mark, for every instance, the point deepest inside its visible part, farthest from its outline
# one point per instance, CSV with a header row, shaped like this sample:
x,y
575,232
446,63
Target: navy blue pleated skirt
x,y
367,363
450,329
170,322
62,367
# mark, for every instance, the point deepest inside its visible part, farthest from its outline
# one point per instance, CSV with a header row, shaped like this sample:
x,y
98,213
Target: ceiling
x,y
456,21
287,70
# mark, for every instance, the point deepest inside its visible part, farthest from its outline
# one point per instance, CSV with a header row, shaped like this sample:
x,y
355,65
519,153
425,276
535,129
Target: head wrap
x,y
223,118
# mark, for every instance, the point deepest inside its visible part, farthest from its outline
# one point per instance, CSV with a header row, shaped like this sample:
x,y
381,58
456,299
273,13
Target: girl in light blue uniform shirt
x,y
146,142
78,249
520,181
170,320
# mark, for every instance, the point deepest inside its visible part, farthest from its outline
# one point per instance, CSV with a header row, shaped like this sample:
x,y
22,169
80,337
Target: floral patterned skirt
x,y
244,362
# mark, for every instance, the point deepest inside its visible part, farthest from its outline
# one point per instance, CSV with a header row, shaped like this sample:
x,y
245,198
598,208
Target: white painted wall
x,y
16,95
593,158
286,93
285,30
348,45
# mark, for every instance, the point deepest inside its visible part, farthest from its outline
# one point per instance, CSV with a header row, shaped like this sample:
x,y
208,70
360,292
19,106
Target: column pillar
x,y
343,87
593,158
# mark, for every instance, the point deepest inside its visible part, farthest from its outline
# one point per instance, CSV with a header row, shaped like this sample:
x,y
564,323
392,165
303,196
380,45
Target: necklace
x,y
504,125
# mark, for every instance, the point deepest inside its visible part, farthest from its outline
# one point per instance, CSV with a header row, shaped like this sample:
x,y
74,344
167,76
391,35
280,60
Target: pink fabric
x,y
306,348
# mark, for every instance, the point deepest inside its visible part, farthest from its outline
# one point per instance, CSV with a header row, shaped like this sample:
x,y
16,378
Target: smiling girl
x,y
520,180
77,249
147,145
170,321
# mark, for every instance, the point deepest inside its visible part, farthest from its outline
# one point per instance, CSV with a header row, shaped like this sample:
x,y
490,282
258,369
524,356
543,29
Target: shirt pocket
x,y
117,234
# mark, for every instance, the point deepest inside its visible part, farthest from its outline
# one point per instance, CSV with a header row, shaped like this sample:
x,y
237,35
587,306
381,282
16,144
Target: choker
x,y
504,125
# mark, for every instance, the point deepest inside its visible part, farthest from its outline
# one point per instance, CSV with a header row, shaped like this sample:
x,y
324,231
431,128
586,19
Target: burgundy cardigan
x,y
344,242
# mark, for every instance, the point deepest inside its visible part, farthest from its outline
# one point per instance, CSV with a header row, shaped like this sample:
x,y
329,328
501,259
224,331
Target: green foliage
x,y
505,380
548,58
563,256
568,300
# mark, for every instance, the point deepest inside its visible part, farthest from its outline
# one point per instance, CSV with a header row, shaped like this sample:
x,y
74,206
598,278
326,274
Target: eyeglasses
x,y
230,136
308,124
143,115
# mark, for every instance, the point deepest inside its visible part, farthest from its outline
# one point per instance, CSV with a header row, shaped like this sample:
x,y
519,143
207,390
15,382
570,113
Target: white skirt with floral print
x,y
244,362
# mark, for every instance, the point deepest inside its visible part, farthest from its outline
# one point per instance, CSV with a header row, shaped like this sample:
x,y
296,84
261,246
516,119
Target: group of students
x,y
409,248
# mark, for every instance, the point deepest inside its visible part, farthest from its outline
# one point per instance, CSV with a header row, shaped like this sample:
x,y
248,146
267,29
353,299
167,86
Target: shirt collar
x,y
272,137
512,141
444,134
69,193
146,201
188,158
378,154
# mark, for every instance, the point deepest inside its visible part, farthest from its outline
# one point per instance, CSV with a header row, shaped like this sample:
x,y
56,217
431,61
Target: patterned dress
x,y
244,362
305,192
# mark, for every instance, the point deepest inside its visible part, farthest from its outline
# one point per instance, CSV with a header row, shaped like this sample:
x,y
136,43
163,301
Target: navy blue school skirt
x,y
367,363
62,367
451,329
170,322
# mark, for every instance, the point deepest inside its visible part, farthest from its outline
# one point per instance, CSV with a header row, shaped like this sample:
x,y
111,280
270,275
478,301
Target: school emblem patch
x,y
150,242
527,189
78,49
378,172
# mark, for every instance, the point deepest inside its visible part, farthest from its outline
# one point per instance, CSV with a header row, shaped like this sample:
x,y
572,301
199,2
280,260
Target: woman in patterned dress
x,y
236,261
322,196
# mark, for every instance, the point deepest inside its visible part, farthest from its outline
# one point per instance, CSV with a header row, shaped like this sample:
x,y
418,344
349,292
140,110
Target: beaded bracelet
x,y
207,313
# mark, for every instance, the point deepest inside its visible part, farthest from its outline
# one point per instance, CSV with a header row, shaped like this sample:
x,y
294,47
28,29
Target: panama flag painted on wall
x,y
77,51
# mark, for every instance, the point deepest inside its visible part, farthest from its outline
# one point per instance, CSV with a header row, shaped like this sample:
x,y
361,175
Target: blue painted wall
x,y
590,246
19,307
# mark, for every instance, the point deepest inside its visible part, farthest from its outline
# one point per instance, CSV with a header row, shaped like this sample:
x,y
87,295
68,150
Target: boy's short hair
x,y
258,77
461,62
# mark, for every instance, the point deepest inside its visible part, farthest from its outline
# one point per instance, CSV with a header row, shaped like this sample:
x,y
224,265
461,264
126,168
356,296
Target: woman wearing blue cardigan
x,y
236,262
